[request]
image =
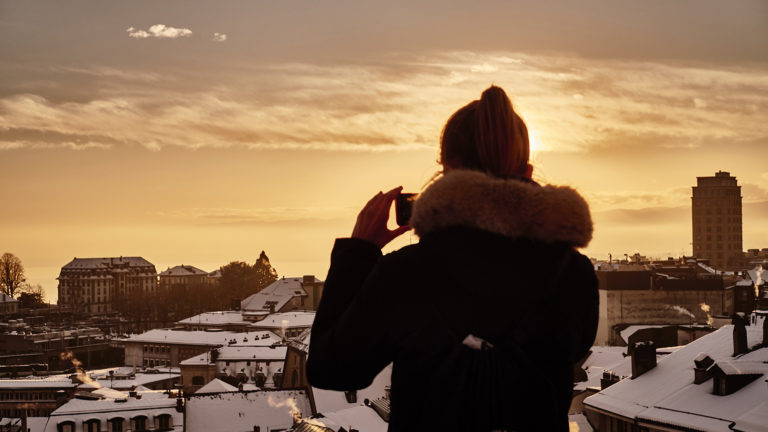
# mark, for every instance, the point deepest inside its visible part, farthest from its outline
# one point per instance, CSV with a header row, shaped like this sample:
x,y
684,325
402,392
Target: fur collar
x,y
512,208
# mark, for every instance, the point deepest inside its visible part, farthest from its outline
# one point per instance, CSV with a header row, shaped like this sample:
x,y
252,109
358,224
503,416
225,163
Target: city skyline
x,y
192,135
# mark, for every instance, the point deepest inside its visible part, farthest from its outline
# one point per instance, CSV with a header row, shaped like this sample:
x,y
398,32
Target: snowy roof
x,y
216,386
278,292
754,420
114,404
216,318
101,378
5,298
234,353
329,400
177,337
629,331
215,274
667,393
241,411
359,417
287,319
105,263
183,270
603,358
59,382
117,405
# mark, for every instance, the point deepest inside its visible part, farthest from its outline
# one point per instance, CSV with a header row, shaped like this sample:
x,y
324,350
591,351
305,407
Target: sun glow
x,y
533,140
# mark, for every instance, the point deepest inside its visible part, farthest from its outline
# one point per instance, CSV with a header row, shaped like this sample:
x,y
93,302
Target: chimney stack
x,y
739,335
609,378
765,331
701,372
643,358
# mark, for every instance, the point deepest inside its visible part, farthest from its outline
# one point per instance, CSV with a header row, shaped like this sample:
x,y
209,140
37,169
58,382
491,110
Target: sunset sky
x,y
204,132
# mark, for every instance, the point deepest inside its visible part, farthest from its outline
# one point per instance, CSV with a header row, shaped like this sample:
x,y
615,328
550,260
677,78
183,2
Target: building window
x,y
198,380
164,422
67,426
93,425
139,424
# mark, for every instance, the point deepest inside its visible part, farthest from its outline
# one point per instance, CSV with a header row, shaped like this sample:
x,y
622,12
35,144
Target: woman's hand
x,y
372,221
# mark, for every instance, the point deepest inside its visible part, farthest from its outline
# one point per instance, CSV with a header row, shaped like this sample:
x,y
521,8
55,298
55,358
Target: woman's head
x,y
487,135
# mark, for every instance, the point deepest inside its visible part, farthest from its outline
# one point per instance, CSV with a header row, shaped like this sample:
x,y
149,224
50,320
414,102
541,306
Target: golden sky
x,y
203,132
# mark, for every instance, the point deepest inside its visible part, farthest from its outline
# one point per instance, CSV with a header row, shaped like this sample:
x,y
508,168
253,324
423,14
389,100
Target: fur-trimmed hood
x,y
512,208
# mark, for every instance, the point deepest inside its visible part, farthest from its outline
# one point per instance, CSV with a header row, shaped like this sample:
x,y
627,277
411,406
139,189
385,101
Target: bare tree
x,y
11,273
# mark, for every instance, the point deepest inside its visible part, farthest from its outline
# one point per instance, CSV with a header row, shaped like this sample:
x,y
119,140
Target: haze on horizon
x,y
200,133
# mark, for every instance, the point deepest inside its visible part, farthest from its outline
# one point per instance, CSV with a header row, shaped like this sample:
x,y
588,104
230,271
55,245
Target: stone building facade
x,y
92,285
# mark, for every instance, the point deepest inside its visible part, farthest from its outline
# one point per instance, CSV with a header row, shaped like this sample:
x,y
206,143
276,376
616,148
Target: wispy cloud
x,y
258,216
401,103
159,31
219,37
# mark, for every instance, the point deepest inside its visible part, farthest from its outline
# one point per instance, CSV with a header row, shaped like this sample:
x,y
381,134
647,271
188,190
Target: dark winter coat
x,y
496,259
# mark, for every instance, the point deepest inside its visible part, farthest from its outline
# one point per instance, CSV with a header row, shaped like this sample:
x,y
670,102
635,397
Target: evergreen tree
x,y
264,273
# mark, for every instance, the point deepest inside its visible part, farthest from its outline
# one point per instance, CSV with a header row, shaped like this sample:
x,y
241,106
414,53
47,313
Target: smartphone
x,y
404,208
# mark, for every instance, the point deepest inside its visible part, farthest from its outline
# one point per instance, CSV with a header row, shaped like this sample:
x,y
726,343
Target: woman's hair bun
x,y
501,135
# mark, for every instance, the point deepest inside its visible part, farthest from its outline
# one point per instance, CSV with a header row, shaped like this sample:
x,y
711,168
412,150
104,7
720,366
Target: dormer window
x,y
731,377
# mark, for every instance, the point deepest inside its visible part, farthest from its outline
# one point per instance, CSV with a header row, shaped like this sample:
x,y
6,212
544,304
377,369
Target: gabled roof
x,y
216,386
278,293
667,394
184,270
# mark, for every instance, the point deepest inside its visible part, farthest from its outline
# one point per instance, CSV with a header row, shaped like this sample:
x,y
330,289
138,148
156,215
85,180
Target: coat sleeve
x,y
584,300
351,340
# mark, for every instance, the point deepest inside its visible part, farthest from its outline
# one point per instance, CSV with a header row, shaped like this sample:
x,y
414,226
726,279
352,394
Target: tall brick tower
x,y
716,205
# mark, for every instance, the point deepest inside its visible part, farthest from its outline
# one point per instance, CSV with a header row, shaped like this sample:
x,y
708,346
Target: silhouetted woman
x,y
485,317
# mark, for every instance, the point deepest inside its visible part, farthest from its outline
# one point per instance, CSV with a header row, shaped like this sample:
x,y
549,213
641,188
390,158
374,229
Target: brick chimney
x,y
765,331
739,335
608,379
701,370
643,358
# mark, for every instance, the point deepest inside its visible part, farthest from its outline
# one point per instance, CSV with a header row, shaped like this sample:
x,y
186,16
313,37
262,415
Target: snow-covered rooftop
x,y
177,337
359,417
216,386
57,382
287,319
629,331
183,270
235,353
278,293
105,263
241,411
215,318
668,395
329,400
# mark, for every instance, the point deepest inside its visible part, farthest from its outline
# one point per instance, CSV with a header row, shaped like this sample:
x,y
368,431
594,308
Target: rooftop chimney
x,y
739,335
608,379
765,331
643,358
701,370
